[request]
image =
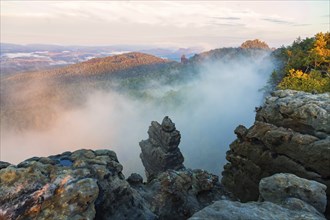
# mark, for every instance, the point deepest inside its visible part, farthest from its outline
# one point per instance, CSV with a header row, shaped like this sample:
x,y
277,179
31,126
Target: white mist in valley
x,y
221,97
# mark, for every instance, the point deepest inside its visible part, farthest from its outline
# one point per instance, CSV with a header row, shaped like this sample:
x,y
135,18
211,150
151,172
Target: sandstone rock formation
x,y
160,152
279,187
84,184
283,196
179,194
173,191
291,134
88,184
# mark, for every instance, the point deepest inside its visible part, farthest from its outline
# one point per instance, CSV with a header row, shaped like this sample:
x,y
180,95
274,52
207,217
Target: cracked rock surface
x,y
160,151
291,134
84,184
283,196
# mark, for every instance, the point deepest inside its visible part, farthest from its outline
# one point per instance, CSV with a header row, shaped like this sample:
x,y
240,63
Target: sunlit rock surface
x,y
84,184
291,134
283,196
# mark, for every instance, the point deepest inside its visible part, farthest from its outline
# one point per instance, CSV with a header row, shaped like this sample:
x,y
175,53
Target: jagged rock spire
x,y
160,151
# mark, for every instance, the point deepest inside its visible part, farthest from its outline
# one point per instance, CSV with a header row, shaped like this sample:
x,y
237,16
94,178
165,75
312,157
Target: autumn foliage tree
x,y
306,65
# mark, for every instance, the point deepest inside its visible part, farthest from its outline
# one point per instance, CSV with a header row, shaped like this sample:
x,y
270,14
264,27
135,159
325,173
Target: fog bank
x,y
223,96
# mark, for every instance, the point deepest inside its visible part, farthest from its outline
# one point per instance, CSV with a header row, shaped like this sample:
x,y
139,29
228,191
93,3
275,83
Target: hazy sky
x,y
161,23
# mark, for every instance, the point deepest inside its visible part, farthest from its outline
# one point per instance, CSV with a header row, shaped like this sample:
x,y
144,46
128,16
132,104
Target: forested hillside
x,y
33,99
304,65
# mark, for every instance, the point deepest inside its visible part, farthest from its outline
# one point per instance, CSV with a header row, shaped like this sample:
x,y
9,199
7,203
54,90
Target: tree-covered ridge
x,y
304,66
226,54
100,66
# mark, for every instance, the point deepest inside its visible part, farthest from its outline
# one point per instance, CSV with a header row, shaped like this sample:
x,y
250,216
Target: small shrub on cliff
x,y
298,80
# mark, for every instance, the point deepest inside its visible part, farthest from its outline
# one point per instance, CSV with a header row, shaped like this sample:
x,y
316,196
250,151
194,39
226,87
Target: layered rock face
x,y
282,196
291,134
172,191
160,151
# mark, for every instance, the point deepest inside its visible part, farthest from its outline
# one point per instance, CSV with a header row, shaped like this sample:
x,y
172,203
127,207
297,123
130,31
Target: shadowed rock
x,y
279,187
285,196
172,191
160,151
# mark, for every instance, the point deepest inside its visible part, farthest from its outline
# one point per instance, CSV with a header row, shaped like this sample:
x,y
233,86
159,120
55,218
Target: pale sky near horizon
x,y
207,24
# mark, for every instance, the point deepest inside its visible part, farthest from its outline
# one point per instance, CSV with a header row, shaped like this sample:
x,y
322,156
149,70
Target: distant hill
x,y
35,99
16,58
227,54
99,66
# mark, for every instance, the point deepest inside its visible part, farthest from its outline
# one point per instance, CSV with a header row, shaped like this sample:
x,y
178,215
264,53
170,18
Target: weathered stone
x,y
281,186
160,151
285,196
229,210
3,164
172,191
168,125
135,179
303,112
291,135
79,185
179,194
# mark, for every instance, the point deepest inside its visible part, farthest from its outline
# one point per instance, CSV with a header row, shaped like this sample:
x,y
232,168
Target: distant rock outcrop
x,y
291,134
255,44
282,196
160,152
184,60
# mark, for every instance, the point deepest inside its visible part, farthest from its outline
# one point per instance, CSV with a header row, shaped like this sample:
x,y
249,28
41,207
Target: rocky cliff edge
x,y
291,134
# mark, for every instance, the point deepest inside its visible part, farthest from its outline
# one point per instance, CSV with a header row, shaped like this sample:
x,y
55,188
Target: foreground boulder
x,y
283,196
291,134
84,184
279,187
160,151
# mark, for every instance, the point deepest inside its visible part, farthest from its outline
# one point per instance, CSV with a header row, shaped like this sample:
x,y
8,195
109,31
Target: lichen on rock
x,y
88,185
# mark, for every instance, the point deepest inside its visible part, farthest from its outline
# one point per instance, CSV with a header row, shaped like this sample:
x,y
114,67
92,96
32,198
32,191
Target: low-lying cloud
x,y
210,107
